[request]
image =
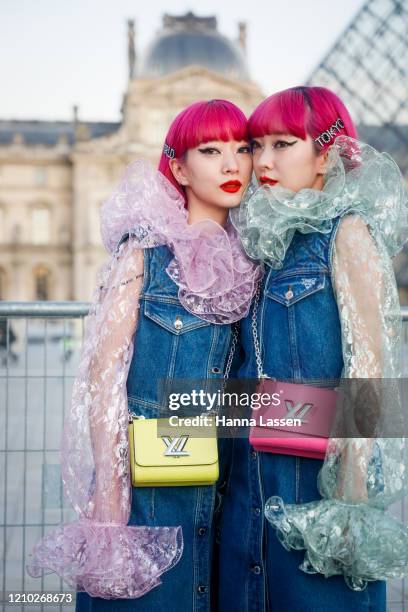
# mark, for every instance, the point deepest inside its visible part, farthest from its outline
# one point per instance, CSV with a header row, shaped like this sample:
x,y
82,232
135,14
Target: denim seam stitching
x,y
214,337
225,352
172,360
248,537
198,501
133,399
332,243
293,344
297,480
152,502
210,543
228,477
297,271
261,492
161,298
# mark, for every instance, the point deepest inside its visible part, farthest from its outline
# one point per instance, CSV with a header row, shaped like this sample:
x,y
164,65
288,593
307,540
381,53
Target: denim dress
x,y
172,344
300,339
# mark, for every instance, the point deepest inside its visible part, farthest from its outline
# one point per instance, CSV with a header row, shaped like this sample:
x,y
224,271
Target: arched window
x,y
42,277
40,176
40,221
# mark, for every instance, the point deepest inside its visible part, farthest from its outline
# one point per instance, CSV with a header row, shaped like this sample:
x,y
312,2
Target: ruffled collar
x,y
216,279
359,180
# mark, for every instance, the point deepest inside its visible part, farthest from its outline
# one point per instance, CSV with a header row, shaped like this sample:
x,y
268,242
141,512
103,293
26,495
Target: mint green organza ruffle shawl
x,y
359,179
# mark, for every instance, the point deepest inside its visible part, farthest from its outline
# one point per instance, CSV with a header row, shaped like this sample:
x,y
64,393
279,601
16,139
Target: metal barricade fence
x,y
40,345
39,352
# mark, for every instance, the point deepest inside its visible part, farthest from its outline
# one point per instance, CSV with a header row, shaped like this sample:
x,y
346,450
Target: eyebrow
x,y
275,134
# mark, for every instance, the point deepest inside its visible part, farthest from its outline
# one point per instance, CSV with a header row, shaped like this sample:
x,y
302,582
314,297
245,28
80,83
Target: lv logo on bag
x,y
298,411
174,446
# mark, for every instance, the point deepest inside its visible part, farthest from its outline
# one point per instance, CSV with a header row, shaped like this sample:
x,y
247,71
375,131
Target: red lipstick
x,y
231,186
265,180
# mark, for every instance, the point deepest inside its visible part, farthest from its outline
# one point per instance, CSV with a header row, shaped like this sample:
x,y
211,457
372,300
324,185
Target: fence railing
x,y
40,345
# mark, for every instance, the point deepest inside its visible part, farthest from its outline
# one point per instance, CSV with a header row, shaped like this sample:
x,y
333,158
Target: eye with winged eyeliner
x,y
279,144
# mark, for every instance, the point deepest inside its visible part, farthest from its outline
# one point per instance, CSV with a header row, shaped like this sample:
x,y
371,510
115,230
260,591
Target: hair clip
x,y
168,151
329,134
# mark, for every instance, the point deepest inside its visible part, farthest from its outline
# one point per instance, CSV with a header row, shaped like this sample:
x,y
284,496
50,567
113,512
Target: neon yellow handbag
x,y
171,460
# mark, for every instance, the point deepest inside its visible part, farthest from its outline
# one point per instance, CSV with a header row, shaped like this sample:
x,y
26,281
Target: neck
x,y
319,182
197,211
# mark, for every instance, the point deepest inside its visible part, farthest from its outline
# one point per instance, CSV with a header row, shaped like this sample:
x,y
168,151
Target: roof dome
x,y
191,40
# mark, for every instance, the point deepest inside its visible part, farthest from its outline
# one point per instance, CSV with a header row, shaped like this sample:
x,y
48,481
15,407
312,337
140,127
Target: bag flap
x,y
176,450
314,407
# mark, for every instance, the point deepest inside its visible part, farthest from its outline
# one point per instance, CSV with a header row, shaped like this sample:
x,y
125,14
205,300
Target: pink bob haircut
x,y
301,111
198,123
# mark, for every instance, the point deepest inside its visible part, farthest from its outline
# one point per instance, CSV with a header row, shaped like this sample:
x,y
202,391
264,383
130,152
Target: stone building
x,y
54,175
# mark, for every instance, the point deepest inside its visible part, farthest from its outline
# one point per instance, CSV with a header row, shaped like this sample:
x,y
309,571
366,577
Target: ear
x,y
178,170
321,162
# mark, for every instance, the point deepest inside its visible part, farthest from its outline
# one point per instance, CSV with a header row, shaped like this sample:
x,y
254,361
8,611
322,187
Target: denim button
x,y
256,569
254,454
256,511
289,294
201,531
201,588
215,370
178,323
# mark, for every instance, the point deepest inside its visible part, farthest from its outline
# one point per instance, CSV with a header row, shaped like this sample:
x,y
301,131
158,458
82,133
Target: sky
x,y
56,54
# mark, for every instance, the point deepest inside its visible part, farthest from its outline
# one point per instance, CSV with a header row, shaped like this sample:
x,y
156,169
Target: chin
x,y
235,204
231,201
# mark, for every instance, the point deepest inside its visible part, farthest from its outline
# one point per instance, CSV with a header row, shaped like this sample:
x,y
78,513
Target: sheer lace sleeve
x,y
350,531
99,553
112,351
359,286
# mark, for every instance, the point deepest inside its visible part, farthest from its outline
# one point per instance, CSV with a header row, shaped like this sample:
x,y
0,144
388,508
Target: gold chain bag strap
x,y
180,459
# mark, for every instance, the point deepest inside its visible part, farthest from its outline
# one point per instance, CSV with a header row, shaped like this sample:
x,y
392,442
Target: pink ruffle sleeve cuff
x,y
100,553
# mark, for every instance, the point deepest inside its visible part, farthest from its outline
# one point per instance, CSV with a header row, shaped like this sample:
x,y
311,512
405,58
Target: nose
x,y
230,165
265,160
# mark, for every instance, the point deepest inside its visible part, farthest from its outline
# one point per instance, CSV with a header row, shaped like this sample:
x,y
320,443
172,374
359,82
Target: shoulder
x,y
352,222
130,253
352,229
355,245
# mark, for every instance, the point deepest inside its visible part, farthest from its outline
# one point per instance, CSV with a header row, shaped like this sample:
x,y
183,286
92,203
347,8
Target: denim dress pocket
x,y
290,289
172,316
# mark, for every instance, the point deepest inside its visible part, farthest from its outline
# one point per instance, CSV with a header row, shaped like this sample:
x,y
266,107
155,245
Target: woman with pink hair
x,y
328,216
163,310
